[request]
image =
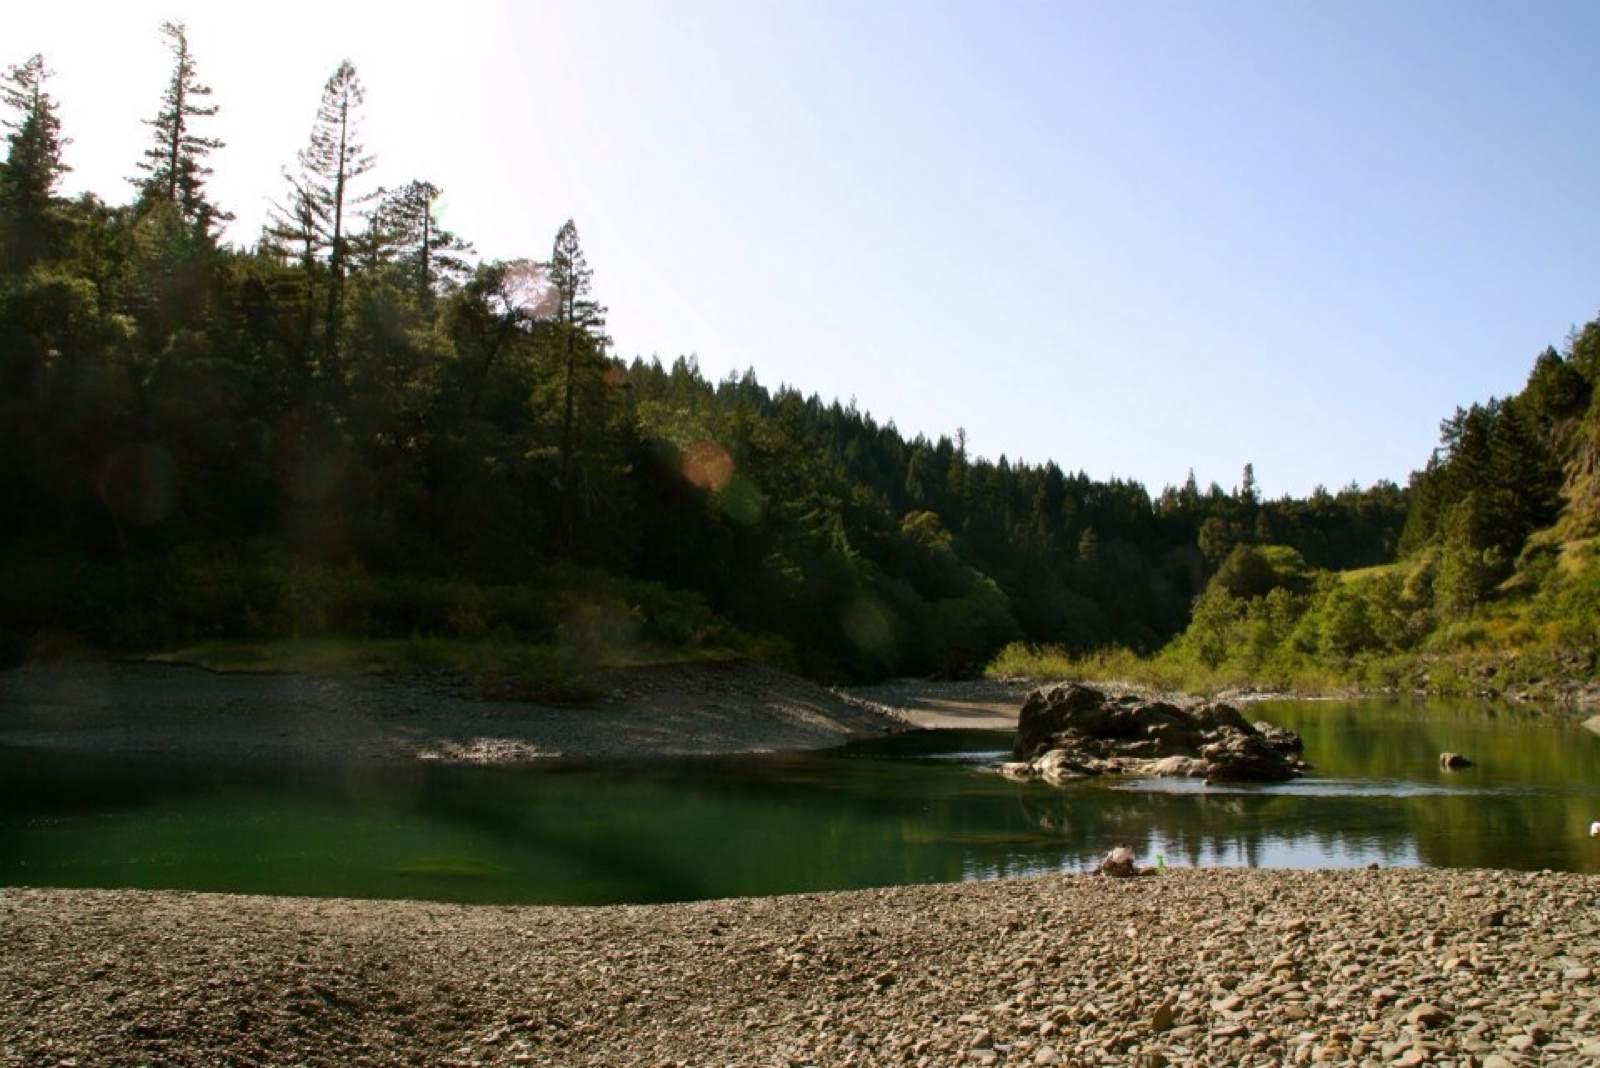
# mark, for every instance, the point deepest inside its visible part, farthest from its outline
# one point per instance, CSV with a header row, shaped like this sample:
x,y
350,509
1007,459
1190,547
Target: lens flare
x,y
528,291
742,501
708,465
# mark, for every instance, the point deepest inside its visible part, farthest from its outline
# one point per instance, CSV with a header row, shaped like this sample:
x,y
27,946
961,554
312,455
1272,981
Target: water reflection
x,y
916,809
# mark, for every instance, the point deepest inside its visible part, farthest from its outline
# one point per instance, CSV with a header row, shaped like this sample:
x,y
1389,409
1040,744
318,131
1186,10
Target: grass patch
x,y
1362,574
1164,671
1577,553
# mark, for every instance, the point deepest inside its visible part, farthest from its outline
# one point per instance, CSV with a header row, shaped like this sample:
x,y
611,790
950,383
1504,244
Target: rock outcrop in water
x,y
1071,731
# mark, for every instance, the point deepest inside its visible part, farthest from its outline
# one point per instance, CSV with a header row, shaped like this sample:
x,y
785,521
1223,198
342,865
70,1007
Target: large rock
x,y
1279,737
1239,756
1071,731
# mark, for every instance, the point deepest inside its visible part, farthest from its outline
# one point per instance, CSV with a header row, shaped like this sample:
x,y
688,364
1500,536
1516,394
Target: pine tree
x,y
1249,494
405,230
1189,496
174,164
321,193
1524,485
1463,576
294,231
32,166
580,323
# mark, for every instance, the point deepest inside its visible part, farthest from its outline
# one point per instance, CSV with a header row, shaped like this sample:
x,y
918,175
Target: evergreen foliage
x,y
1497,584
404,231
174,165
313,219
30,223
349,429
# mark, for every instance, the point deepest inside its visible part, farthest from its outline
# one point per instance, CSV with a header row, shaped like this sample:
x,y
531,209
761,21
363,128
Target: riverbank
x,y
966,704
993,704
1567,683
1209,966
702,708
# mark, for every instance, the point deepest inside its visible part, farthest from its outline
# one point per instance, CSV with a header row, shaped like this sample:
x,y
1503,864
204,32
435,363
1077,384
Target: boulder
x,y
1178,767
1049,711
1071,731
1119,863
1279,738
1212,716
1059,765
1246,757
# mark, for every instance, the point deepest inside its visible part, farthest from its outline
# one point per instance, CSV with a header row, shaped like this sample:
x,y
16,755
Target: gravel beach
x,y
932,704
176,711
1211,967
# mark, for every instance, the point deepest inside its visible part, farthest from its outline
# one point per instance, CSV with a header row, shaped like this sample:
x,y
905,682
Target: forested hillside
x,y
347,426
1496,588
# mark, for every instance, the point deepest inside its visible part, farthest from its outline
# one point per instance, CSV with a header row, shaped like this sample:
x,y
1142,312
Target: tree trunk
x,y
336,250
566,444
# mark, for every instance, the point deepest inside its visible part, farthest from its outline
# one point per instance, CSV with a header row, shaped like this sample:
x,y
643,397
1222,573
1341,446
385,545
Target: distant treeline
x,y
1496,588
336,427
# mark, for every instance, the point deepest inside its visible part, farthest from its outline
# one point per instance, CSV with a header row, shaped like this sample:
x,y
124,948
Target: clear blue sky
x,y
1135,239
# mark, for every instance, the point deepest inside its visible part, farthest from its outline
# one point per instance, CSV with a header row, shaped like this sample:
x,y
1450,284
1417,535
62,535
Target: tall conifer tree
x,y
174,165
314,219
581,323
32,166
405,230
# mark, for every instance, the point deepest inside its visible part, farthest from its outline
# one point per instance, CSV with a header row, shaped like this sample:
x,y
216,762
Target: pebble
x,y
1427,1015
1025,971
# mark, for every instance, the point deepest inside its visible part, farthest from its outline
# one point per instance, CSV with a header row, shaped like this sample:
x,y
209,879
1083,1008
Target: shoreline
x,y
993,704
177,711
1205,965
708,708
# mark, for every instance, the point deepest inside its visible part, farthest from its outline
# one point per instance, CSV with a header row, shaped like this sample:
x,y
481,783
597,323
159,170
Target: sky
x,y
1134,239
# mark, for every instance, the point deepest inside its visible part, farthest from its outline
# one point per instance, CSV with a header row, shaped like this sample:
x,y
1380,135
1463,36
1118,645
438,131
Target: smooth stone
x,y
1427,1015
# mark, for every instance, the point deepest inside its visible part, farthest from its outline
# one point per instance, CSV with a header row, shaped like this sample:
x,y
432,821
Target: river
x,y
915,808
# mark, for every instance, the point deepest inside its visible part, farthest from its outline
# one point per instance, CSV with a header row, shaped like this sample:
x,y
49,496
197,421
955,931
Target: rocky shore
x,y
136,710
1465,968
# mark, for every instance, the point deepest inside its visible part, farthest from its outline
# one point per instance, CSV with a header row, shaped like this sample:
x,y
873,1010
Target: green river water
x,y
917,808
